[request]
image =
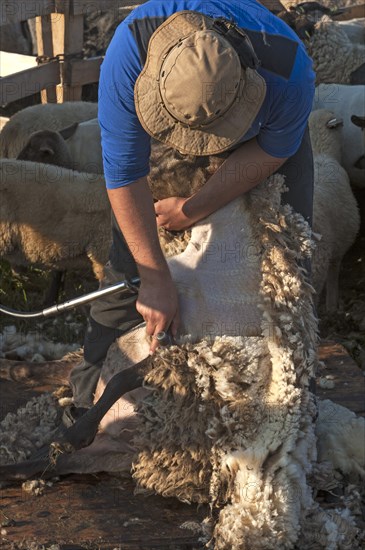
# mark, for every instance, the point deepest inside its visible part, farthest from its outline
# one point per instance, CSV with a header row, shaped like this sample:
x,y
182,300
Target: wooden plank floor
x,y
102,512
349,379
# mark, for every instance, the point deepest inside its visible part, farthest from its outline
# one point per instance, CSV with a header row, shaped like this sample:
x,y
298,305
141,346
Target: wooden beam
x,y
351,12
61,34
28,82
347,378
68,38
12,11
45,47
275,6
85,71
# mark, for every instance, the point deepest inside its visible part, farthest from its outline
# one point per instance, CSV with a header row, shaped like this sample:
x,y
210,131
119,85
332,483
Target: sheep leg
x,y
57,284
25,470
83,432
332,285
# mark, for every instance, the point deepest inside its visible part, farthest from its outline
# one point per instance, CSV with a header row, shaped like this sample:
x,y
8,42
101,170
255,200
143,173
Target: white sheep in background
x,y
16,132
334,56
77,147
49,216
346,101
336,215
355,29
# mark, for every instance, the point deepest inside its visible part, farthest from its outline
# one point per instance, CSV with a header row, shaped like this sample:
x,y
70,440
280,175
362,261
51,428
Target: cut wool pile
x,y
31,346
27,430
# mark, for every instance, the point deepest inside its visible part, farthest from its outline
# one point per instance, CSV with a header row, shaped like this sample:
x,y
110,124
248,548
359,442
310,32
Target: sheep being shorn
x,y
253,444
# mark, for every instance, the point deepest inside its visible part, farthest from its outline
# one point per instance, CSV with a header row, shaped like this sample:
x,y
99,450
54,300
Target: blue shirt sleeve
x,y
125,144
289,109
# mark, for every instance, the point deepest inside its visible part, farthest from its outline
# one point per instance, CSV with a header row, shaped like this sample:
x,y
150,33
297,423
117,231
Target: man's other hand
x,y
170,214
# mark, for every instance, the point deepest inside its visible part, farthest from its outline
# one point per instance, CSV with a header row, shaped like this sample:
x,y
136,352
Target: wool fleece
x,y
230,420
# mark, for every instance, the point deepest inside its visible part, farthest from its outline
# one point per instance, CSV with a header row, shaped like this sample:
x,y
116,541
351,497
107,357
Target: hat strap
x,y
238,40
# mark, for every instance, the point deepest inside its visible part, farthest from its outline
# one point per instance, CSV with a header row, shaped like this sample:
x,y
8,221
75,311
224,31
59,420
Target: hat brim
x,y
216,137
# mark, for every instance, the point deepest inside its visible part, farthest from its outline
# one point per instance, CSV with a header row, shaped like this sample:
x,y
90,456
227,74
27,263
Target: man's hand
x,y
158,304
170,214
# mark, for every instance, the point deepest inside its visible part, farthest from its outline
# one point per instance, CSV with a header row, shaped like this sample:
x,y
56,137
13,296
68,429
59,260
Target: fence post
x,y
61,34
68,39
45,47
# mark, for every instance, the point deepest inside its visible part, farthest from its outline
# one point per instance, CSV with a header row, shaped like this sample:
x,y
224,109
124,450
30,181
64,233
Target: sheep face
x,y
47,147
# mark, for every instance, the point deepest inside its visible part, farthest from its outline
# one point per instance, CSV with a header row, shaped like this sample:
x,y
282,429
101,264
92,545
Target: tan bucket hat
x,y
193,92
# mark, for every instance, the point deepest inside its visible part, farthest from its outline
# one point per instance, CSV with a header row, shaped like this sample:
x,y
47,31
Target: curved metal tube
x,y
131,286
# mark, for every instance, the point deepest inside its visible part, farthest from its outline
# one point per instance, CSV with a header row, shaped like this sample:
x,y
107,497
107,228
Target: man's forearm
x,y
245,168
135,214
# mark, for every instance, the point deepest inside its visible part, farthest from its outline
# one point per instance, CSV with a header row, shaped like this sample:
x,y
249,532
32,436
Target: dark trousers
x,y
110,317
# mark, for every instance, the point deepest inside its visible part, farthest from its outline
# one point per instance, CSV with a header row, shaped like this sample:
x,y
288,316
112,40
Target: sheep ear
x,y
68,132
334,123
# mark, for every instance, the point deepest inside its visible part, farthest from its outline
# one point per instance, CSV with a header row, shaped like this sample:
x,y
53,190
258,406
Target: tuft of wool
x,y
173,243
341,437
32,346
27,430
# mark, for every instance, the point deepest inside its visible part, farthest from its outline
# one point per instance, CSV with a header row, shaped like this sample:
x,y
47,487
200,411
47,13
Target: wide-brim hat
x,y
193,92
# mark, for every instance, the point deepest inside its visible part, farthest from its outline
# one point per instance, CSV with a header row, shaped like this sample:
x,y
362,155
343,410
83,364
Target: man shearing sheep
x,y
202,77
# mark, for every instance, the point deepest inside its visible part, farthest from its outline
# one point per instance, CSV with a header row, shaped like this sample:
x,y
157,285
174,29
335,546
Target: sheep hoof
x,y
81,434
